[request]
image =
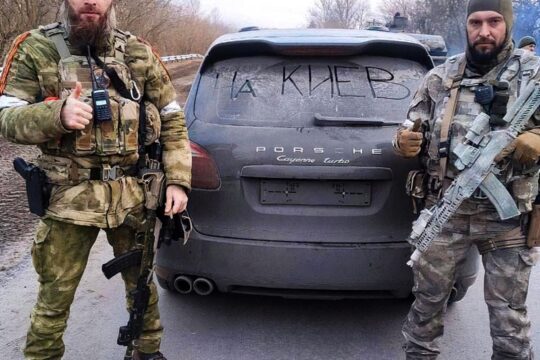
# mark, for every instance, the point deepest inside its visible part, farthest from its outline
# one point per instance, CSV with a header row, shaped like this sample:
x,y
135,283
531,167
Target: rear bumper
x,y
291,269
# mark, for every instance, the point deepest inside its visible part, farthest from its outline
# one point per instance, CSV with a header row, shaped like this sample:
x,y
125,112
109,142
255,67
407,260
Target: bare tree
x,y
527,13
439,17
345,14
390,7
172,26
442,17
175,27
18,16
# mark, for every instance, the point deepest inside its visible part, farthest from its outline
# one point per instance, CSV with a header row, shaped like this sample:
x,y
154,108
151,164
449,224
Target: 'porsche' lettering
x,y
318,150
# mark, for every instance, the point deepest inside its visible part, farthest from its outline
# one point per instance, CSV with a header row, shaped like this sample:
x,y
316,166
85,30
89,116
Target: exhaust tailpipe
x,y
203,286
183,284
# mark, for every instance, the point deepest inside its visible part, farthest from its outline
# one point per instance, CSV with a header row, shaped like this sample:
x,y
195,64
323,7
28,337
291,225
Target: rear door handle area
x,y
316,172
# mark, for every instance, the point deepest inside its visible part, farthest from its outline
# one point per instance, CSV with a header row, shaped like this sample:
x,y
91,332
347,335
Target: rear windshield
x,y
288,92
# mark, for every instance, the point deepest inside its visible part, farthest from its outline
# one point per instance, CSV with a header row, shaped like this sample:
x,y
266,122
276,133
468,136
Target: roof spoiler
x,y
375,47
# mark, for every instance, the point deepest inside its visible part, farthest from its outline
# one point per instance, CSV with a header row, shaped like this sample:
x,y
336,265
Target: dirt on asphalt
x,y
16,223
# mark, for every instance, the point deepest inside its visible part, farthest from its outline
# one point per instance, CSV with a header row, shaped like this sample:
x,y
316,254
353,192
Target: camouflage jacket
x,y
430,103
25,118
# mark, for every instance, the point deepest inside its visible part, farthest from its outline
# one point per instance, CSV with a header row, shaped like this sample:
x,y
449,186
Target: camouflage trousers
x,y
60,254
506,284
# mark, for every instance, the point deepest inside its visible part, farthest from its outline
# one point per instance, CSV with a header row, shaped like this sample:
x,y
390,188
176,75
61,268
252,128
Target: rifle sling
x,y
444,147
115,79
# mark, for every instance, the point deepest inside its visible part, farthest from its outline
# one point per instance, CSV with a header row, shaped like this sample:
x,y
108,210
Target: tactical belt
x,y
107,172
62,170
103,173
509,239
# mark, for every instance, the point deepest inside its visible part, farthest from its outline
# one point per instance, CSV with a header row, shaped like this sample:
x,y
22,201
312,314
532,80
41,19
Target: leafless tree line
x,y
341,14
179,26
440,17
447,18
172,26
17,16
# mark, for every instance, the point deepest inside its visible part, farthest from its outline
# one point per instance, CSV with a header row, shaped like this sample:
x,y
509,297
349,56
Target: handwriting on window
x,y
314,81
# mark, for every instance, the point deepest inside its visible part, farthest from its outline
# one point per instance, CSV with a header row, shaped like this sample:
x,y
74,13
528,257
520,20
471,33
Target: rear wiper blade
x,y
321,120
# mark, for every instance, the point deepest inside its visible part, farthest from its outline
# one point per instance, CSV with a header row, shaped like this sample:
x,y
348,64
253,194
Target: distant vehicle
x,y
435,44
296,189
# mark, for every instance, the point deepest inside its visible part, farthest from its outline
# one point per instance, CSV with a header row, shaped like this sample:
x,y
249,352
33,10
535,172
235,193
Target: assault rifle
x,y
476,159
178,227
153,180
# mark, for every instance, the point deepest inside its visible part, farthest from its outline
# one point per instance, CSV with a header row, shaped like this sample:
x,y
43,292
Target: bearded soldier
x,y
90,157
487,78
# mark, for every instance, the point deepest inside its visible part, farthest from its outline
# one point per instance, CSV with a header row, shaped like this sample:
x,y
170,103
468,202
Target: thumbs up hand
x,y
409,141
75,114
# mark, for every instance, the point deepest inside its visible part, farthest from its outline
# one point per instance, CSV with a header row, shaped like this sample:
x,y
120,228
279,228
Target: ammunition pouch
x,y
499,104
533,232
38,191
524,192
494,97
416,188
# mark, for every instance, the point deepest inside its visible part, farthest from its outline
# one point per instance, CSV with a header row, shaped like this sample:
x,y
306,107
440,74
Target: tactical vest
x,y
517,74
116,137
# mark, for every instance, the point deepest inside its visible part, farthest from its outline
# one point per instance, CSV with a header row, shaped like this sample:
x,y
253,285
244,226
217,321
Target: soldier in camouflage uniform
x,y
490,60
45,92
527,43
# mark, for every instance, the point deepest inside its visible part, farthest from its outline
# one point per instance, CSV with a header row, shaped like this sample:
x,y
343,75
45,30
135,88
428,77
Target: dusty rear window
x,y
287,92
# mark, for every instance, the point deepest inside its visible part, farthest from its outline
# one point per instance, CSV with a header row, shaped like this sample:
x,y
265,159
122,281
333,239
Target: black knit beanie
x,y
503,7
526,40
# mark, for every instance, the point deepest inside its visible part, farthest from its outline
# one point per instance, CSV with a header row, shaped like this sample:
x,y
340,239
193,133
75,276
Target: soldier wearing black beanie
x,y
445,107
485,62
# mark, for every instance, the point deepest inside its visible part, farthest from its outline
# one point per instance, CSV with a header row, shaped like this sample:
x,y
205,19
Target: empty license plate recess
x,y
309,192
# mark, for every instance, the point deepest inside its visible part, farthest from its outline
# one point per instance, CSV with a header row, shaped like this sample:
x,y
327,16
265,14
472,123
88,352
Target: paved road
x,y
225,327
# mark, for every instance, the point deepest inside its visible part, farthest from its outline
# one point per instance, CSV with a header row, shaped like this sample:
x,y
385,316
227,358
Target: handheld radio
x,y
100,97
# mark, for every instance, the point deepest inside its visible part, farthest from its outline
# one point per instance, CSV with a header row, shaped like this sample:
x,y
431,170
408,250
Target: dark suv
x,y
297,191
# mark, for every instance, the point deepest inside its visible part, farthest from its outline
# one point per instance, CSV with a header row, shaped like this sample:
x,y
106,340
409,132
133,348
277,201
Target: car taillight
x,y
204,172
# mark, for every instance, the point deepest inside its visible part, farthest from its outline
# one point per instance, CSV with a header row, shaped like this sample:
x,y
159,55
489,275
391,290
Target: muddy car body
x,y
297,191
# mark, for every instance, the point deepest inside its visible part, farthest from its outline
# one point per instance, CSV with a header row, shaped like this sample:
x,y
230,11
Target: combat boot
x,y
137,355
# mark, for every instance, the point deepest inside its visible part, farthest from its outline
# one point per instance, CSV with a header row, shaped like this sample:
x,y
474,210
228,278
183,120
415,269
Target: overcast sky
x,y
263,13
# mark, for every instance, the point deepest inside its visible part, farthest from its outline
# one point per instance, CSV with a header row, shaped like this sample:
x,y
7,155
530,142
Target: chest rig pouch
x,y
118,136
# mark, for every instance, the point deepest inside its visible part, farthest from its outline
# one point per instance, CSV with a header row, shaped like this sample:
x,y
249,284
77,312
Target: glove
x,y
526,149
173,228
409,142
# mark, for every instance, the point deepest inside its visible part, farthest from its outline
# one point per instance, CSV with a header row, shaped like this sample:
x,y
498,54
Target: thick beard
x,y
84,33
485,58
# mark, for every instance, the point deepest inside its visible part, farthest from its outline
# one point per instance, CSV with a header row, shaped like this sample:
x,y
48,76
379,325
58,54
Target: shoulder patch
x,y
9,59
156,54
